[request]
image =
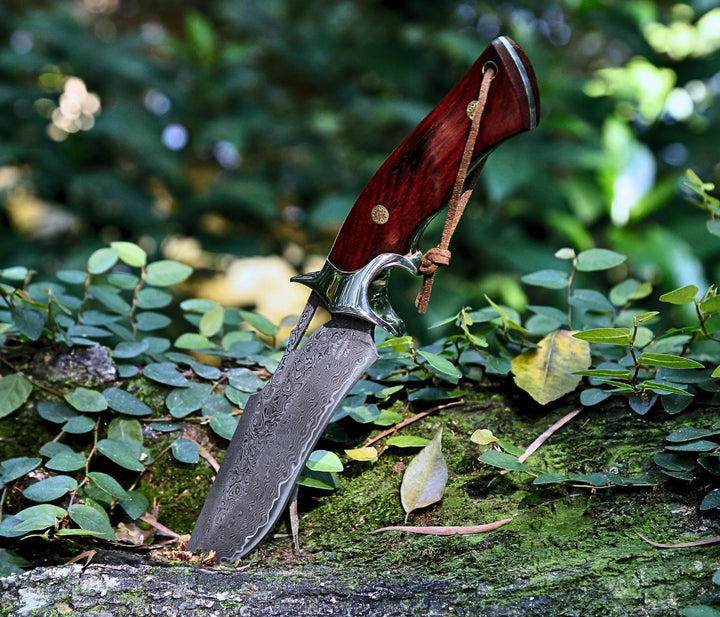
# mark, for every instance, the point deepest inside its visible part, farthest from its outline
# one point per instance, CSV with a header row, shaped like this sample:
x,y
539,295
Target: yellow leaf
x,y
483,437
546,373
425,477
368,453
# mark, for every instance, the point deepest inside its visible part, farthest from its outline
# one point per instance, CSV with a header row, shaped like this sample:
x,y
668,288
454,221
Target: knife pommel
x,y
416,180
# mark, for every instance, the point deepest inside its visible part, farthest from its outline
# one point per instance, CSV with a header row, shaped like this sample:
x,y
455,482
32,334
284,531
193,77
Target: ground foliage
x,y
84,481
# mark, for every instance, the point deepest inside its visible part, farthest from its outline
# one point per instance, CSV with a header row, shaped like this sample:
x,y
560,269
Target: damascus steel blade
x,y
277,432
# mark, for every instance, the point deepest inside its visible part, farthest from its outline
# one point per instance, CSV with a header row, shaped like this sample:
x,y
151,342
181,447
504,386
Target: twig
x,y
448,530
704,541
207,456
546,434
159,526
405,423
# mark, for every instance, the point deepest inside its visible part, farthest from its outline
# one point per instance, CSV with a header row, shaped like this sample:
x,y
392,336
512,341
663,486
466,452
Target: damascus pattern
x,y
277,432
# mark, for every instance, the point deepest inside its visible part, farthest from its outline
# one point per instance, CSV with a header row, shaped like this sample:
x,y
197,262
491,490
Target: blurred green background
x,y
212,132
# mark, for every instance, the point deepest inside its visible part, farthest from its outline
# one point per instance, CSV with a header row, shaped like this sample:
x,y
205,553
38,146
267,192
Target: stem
x,y
133,307
636,363
35,384
568,292
702,319
408,421
86,297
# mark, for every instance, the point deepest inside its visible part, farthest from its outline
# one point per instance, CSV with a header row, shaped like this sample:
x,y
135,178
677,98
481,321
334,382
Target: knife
x,y
434,167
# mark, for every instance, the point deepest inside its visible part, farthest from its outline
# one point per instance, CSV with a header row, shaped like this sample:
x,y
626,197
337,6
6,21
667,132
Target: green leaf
x,y
34,518
407,441
166,272
608,336
668,361
183,401
17,467
663,388
151,298
629,290
690,433
212,322
698,445
185,451
682,295
224,425
325,461
711,305
425,477
503,460
125,402
135,504
711,500
84,399
108,484
11,563
126,454
55,411
15,389
244,379
123,280
90,519
441,366
165,373
325,480
260,323
102,260
50,489
713,226
699,611
190,340
66,461
110,298
547,372
611,373
124,428
550,279
130,349
673,462
29,321
593,396
148,321
79,425
550,478
130,253
15,273
594,260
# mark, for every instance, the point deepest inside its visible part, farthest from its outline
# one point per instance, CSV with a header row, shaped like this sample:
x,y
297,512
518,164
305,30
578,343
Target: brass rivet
x,y
470,110
380,214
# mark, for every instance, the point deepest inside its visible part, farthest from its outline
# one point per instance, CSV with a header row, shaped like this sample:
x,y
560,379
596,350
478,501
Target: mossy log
x,y
567,551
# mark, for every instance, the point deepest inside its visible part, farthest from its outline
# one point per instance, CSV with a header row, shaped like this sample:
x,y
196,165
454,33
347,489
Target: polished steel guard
x,y
362,294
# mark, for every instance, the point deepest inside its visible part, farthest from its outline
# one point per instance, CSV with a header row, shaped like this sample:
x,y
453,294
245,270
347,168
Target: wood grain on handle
x,y
416,179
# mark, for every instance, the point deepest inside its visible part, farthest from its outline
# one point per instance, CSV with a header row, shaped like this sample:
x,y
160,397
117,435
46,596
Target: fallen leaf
x,y
548,433
703,542
425,477
546,373
367,453
448,530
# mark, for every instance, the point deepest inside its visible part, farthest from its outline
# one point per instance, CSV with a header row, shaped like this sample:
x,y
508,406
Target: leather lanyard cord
x,y
440,255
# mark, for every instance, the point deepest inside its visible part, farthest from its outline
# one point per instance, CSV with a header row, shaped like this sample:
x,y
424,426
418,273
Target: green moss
x,y
563,540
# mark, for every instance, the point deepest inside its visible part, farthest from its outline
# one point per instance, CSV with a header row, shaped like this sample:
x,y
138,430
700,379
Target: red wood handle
x,y
416,179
